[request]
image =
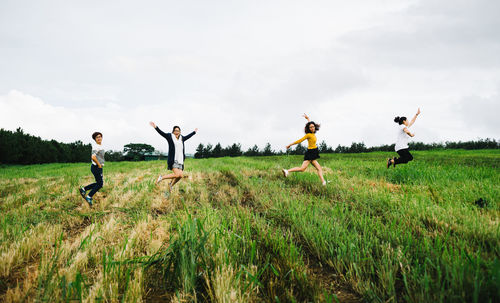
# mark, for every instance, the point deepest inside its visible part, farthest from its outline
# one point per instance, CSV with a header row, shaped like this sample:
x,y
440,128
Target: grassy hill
x,y
235,230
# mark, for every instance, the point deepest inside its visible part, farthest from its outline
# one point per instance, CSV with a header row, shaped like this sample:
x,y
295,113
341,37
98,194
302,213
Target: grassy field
x,y
236,231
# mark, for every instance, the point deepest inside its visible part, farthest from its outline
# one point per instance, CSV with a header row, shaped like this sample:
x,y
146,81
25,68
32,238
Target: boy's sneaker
x,y
324,183
89,200
158,180
285,172
82,191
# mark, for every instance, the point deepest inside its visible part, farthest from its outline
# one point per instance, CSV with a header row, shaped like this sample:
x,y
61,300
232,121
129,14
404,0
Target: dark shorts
x,y
171,166
404,156
311,154
178,165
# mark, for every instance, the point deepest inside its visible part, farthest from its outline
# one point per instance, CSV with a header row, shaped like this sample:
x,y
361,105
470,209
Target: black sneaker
x,y
82,191
89,200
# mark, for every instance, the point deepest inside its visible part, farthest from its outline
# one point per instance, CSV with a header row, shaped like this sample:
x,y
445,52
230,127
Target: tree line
x,y
234,150
18,147
21,148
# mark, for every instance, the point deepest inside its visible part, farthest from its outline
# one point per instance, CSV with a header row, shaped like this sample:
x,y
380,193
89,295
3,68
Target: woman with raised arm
x,y
176,155
402,147
312,153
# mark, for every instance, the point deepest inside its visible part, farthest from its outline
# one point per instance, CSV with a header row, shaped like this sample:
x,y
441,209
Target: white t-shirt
x,y
98,151
402,138
179,155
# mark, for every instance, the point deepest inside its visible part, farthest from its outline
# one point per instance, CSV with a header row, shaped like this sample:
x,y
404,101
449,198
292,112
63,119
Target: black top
x,y
171,146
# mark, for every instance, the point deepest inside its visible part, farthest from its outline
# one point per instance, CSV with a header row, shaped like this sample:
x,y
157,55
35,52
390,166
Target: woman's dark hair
x,y
399,120
94,135
306,129
173,129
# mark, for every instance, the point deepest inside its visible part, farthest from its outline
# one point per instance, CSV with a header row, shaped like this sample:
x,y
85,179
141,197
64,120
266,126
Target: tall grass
x,y
235,230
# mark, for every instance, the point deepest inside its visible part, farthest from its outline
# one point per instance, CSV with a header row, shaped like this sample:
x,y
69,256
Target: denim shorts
x,y
177,165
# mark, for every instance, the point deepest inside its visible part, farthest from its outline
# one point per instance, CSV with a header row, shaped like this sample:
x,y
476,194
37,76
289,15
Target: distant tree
x,y
114,156
341,149
207,151
234,150
299,150
382,148
79,152
267,151
324,148
217,151
199,151
252,151
357,148
136,151
226,151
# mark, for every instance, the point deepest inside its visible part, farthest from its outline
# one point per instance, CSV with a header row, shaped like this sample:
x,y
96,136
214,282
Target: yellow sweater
x,y
311,140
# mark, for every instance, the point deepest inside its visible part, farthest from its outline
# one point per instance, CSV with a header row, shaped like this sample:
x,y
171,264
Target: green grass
x,y
237,231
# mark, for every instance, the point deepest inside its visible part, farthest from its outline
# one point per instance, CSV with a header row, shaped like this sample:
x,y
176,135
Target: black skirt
x,y
311,154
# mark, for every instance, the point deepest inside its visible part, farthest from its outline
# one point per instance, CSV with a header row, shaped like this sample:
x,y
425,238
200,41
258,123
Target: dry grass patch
x,y
23,284
226,285
28,249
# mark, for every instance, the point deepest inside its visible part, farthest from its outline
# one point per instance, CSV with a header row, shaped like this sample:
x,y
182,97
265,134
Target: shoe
x,y
89,200
324,183
389,162
158,180
82,191
285,172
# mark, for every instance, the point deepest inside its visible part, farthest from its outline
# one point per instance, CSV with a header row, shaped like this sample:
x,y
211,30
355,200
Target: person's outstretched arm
x,y
307,117
414,118
164,135
190,135
297,142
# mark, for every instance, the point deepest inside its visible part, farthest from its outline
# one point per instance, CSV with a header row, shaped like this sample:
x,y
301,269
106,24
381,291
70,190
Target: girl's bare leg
x,y
174,181
320,170
305,164
177,173
169,176
178,176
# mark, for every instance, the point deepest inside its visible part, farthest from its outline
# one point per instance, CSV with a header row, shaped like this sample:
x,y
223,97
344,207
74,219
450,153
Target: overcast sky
x,y
245,71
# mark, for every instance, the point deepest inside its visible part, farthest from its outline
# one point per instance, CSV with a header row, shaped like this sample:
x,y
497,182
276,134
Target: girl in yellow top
x,y
312,153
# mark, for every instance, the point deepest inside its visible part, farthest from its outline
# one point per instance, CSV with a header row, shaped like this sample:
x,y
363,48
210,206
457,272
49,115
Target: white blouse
x,y
179,145
402,138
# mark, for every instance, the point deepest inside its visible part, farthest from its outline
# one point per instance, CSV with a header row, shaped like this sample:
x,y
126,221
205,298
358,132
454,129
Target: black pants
x,y
94,187
404,156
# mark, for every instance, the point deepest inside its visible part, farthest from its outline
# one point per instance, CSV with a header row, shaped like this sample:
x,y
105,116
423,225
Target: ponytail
x,y
399,120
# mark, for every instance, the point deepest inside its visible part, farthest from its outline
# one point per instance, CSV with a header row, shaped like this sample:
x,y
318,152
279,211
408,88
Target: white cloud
x,y
39,118
480,114
450,34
